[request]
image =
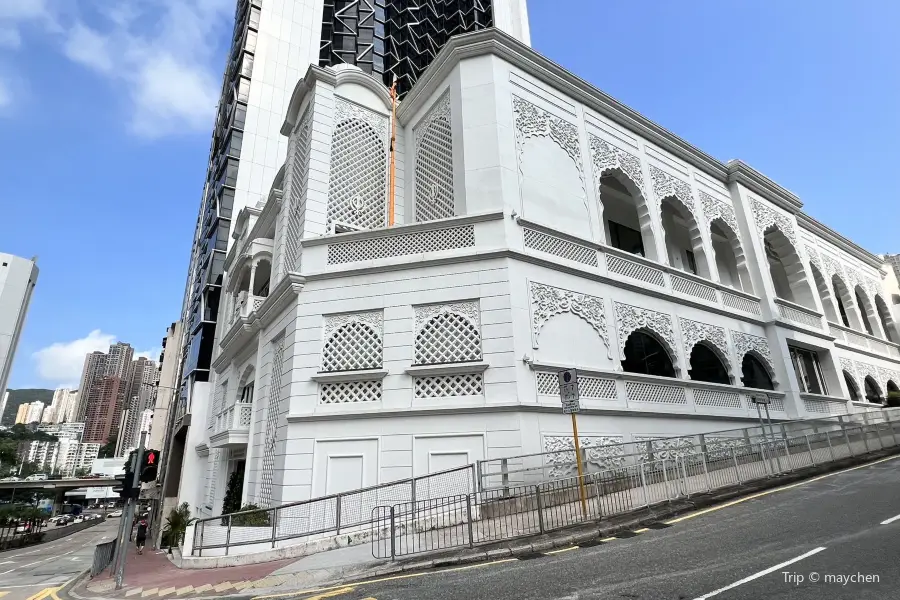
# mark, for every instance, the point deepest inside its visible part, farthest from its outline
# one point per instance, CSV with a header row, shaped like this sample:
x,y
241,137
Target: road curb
x,y
529,545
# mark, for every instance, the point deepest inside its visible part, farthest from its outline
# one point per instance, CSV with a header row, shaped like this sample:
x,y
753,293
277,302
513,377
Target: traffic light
x,y
125,489
149,465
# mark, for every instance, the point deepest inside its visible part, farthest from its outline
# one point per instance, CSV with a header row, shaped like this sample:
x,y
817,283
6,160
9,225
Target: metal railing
x,y
527,469
103,557
493,515
336,514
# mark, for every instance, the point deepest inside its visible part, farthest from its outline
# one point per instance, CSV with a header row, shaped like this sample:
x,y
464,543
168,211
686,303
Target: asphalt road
x,y
30,571
828,530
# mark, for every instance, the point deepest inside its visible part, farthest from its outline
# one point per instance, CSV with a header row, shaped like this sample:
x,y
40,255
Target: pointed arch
x,y
648,353
886,319
867,312
683,237
728,256
845,303
824,294
756,372
873,391
852,387
262,277
622,204
707,363
786,269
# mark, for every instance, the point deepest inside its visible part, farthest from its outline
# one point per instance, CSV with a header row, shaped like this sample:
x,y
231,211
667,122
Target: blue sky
x,y
106,108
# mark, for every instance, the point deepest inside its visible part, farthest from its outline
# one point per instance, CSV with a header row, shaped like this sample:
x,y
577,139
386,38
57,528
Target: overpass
x,y
60,484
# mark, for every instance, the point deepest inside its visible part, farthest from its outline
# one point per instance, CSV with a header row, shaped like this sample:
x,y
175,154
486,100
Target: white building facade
x,y
18,276
539,225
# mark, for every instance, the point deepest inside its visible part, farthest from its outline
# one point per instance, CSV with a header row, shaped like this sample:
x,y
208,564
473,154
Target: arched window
x,y
261,278
645,355
852,387
873,391
730,261
824,295
844,303
353,346
684,242
358,179
707,366
864,309
447,338
625,216
787,271
887,320
754,374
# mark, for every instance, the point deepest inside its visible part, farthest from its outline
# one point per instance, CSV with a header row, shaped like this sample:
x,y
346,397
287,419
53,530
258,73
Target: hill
x,y
24,396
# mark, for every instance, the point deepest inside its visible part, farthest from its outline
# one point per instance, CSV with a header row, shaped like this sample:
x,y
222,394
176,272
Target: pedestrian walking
x,y
141,537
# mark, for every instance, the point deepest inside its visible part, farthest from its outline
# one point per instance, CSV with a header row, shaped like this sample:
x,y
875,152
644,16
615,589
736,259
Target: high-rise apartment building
x,y
18,277
273,43
35,412
22,413
105,381
139,396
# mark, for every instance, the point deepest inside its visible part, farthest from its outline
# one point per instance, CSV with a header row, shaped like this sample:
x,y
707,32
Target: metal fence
x,y
103,557
527,469
329,515
492,515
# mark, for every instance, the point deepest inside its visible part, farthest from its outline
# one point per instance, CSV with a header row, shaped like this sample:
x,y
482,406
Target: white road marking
x,y
50,583
7,562
891,520
760,574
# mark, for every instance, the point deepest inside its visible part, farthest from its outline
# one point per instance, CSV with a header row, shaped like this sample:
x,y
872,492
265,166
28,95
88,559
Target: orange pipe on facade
x,y
393,163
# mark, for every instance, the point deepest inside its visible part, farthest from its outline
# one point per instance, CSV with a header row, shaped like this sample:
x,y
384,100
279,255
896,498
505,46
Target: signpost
x,y
570,397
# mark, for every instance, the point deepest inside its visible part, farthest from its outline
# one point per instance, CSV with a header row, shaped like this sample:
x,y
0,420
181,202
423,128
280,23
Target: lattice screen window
x,y
352,347
348,392
297,204
442,386
357,191
274,408
434,164
447,334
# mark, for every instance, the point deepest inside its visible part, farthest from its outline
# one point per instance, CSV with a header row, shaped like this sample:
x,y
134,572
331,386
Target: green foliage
x,y
893,399
232,501
259,518
108,450
176,524
83,472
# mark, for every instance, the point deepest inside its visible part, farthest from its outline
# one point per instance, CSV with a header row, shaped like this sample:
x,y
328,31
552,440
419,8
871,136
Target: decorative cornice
x,y
830,235
333,78
740,172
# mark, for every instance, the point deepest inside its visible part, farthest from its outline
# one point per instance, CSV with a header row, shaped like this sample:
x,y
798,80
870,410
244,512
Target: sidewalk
x,y
152,575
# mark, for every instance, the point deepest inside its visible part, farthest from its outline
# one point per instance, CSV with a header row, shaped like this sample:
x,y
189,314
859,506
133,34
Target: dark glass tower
x,y
396,37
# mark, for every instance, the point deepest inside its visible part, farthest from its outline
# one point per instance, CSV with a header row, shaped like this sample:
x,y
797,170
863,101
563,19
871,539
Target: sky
x,y
107,106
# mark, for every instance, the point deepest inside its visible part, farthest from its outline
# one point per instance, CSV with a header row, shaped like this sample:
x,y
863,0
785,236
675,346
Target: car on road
x,y
78,519
37,477
113,514
10,479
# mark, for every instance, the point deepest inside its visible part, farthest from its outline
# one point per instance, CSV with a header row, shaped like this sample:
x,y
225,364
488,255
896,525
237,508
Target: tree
x,y
82,472
176,524
108,450
232,501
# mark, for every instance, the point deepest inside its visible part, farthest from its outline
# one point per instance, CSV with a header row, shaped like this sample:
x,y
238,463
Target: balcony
x,y
245,305
799,315
232,427
849,338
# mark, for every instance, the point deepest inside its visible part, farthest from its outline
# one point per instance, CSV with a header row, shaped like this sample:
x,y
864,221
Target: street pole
x,y
157,517
128,515
579,465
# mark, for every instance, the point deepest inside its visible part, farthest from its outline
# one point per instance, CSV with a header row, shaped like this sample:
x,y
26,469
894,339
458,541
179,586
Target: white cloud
x,y
164,53
61,363
152,353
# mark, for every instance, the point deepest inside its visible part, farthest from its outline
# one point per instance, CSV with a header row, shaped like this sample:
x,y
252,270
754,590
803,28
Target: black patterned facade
x,y
396,37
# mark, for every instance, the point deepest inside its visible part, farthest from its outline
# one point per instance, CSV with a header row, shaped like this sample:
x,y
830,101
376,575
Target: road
x,y
30,571
834,530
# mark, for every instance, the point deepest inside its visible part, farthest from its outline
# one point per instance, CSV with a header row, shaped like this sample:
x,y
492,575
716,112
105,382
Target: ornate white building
x,y
540,225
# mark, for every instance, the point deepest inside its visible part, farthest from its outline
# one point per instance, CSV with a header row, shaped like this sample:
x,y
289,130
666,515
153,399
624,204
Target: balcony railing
x,y
798,314
857,339
232,427
245,305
